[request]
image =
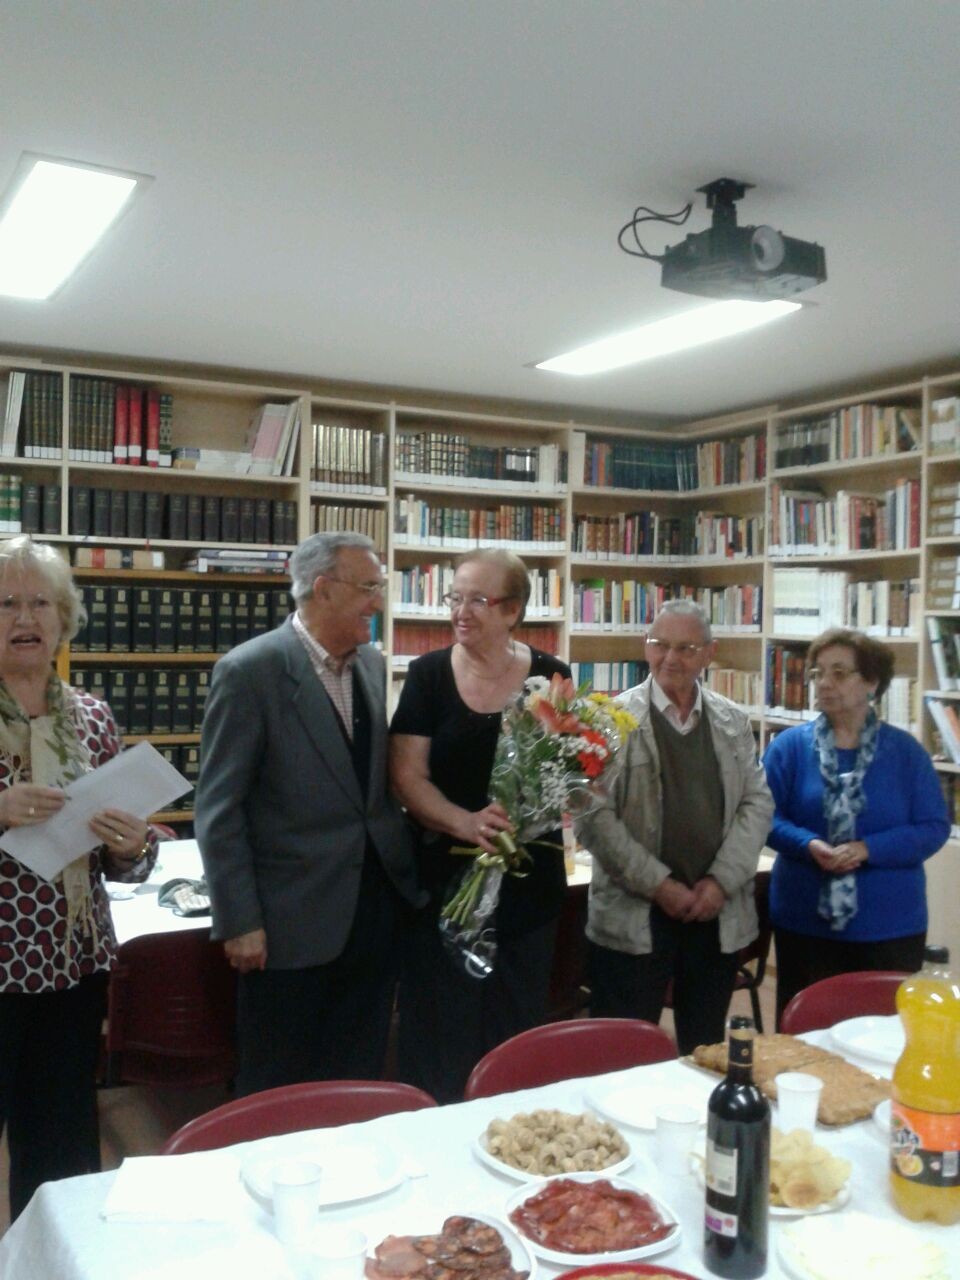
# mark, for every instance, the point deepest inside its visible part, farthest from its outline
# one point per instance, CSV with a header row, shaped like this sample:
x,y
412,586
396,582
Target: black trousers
x,y
627,986
802,959
49,1047
448,1020
329,1021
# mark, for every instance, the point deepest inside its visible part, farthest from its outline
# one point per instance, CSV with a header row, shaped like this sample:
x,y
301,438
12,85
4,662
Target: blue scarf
x,y
843,801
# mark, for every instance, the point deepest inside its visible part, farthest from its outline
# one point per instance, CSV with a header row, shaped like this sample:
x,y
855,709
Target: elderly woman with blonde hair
x,y
56,937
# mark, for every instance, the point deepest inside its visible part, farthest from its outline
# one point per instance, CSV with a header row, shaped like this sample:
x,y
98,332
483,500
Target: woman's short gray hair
x,y
688,609
23,555
317,555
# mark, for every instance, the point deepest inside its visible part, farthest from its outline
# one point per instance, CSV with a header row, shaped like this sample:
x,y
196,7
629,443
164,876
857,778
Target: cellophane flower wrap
x,y
557,754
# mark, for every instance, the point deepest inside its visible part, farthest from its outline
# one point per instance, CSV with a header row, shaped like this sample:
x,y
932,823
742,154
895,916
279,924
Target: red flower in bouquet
x,y
593,763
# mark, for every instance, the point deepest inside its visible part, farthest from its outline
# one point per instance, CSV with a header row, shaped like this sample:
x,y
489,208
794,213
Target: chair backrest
x,y
171,1011
318,1104
847,995
562,1050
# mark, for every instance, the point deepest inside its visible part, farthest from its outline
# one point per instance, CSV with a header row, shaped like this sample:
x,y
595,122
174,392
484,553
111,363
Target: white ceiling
x,y
426,193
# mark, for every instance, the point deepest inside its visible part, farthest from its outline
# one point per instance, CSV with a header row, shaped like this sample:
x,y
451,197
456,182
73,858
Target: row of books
x,y
456,459
947,723
671,467
273,437
944,637
421,588
143,619
371,521
858,431
745,688
943,510
33,422
521,528
160,700
609,677
945,425
789,693
186,760
411,639
623,605
120,423
180,517
809,523
808,600
348,458
238,560
709,534
943,582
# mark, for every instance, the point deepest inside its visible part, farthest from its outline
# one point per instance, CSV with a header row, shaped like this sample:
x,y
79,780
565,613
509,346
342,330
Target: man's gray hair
x,y
688,609
317,555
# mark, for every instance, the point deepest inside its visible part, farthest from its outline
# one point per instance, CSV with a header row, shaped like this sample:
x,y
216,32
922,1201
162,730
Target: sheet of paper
x,y
139,781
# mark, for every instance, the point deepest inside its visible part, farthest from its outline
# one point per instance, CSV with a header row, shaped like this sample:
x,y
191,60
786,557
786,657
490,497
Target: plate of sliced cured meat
x,y
627,1271
470,1246
587,1219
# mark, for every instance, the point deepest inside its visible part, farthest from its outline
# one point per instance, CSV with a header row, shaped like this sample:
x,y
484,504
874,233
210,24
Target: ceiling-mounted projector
x,y
727,261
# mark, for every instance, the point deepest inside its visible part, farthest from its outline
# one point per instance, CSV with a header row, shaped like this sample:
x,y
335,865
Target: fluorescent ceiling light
x,y
55,212
676,333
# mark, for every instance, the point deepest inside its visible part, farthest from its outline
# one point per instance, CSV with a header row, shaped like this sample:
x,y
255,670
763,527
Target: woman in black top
x,y
443,738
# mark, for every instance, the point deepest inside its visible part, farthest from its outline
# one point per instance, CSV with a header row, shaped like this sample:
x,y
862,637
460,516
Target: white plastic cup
x,y
798,1099
678,1128
296,1198
330,1253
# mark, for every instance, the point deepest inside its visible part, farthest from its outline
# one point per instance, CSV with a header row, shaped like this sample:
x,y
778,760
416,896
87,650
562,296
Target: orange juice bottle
x,y
925,1121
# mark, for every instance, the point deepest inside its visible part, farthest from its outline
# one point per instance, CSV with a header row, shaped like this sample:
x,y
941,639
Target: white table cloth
x,y
140,913
62,1236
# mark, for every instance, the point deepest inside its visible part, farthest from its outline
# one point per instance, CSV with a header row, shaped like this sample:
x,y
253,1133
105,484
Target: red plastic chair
x,y
171,1011
847,995
562,1050
318,1104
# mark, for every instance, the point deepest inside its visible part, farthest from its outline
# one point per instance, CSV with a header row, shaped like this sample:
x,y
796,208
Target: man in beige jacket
x,y
676,843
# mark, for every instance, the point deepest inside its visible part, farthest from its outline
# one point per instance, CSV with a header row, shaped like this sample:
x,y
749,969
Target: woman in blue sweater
x,y
859,810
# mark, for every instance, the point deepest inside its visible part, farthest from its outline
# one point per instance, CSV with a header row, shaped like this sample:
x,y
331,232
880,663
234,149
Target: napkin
x,y
201,1187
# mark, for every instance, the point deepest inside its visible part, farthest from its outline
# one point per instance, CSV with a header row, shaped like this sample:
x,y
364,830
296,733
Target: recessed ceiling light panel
x,y
54,212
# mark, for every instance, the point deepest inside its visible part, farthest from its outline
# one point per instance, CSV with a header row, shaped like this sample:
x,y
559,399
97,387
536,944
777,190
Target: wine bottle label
x,y
740,1050
925,1146
722,1224
721,1170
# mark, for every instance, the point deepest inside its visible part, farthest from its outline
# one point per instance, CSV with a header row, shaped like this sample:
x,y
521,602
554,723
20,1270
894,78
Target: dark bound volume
x,y
118,623
278,520
242,604
98,629
161,702
260,619
211,517
223,621
177,517
279,607
201,687
190,768
79,643
248,519
78,678
182,715
143,628
139,721
165,619
204,622
136,502
81,498
96,684
194,517
100,516
118,513
153,514
50,517
230,519
291,521
186,629
30,499
118,695
261,520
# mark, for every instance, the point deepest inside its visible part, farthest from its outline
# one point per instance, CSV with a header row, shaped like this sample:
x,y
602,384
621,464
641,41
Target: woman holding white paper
x,y
56,937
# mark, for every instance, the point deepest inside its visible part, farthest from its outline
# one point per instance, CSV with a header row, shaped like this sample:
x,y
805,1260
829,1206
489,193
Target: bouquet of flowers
x,y
556,755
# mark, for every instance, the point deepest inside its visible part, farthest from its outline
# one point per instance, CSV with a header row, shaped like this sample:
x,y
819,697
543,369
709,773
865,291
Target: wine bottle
x,y
738,1166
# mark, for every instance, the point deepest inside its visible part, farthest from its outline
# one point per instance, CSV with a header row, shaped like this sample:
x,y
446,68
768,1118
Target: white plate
x,y
569,1260
351,1171
878,1039
881,1118
846,1246
522,1175
427,1222
783,1211
636,1106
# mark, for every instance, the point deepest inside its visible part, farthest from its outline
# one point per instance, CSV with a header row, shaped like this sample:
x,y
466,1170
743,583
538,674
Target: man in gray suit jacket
x,y
306,854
